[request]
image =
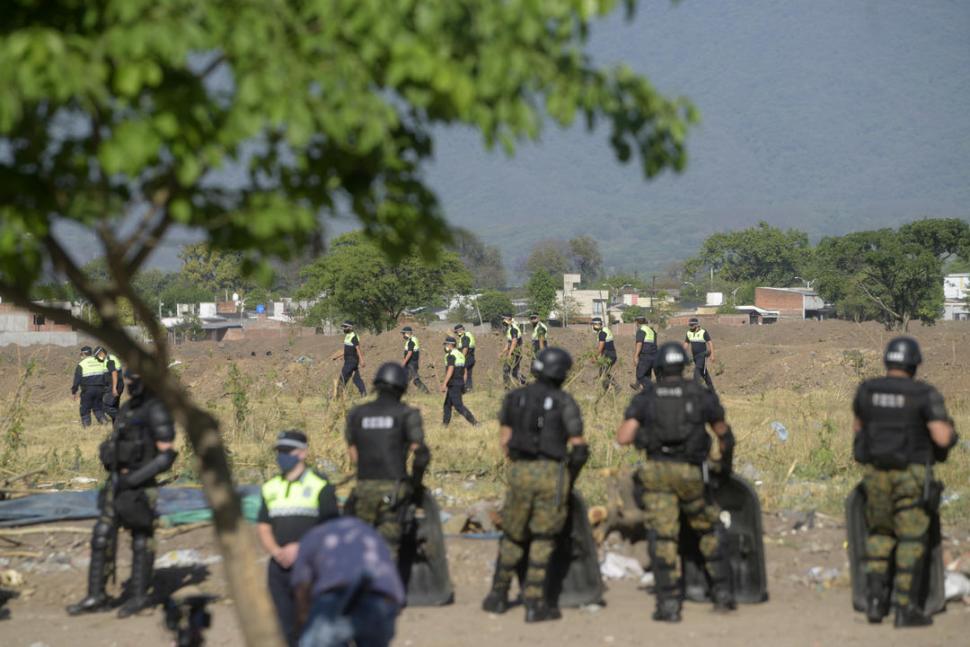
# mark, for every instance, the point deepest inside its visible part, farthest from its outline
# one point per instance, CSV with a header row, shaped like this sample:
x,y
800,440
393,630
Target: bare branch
x,y
879,301
146,238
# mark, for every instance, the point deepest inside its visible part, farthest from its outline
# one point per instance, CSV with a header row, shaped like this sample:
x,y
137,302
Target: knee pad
x,y
102,535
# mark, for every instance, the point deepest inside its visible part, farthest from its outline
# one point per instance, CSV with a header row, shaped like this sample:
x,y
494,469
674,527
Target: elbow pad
x,y
161,463
422,458
940,454
727,451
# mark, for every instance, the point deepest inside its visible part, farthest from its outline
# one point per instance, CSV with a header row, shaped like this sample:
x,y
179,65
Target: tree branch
x,y
879,302
145,244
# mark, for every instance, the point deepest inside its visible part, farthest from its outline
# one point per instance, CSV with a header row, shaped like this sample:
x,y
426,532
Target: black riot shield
x,y
741,516
423,561
574,571
931,597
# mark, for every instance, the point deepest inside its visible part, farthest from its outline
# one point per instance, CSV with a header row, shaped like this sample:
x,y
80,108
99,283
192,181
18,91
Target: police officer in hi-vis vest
x,y
512,353
353,356
90,376
412,358
644,351
605,351
540,332
114,386
466,344
698,343
453,384
293,502
901,429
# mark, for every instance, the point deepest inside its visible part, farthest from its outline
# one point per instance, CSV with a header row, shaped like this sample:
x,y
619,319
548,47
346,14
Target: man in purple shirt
x,y
346,586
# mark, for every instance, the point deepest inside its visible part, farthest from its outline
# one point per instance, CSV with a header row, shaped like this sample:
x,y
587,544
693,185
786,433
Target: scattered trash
x,y
618,567
175,363
956,586
303,359
11,577
646,581
804,520
269,353
185,557
591,608
949,498
780,431
750,472
823,576
83,480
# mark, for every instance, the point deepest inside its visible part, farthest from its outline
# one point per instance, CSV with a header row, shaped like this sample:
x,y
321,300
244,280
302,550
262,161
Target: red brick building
x,y
791,303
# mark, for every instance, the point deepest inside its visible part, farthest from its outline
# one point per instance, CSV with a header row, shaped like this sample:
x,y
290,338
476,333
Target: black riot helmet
x,y
552,365
903,353
391,378
671,359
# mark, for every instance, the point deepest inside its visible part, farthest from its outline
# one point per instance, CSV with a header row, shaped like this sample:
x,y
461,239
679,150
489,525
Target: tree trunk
x,y
237,542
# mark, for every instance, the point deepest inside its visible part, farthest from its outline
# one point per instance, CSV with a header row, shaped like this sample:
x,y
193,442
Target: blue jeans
x,y
370,623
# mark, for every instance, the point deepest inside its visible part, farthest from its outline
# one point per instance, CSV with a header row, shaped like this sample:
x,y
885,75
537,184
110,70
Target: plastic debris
x,y
949,498
824,576
11,577
618,567
185,557
646,581
780,431
956,585
303,359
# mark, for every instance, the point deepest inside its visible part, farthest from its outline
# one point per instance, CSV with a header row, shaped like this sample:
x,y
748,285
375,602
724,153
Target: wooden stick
x,y
21,553
17,532
181,530
20,477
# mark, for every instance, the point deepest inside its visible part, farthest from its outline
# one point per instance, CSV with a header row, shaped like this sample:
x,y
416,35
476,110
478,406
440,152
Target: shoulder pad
x,y
160,421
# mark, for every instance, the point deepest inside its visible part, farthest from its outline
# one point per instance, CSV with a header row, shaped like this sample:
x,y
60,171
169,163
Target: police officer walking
x,y
140,448
353,356
512,352
90,376
293,502
541,434
698,343
412,358
645,351
380,435
539,333
454,384
606,352
668,422
466,344
901,428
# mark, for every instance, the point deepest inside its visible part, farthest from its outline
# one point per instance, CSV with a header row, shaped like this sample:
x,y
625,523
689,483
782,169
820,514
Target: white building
x,y
956,291
580,305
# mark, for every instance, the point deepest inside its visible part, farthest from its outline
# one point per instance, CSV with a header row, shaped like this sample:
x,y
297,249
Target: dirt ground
x,y
807,606
802,610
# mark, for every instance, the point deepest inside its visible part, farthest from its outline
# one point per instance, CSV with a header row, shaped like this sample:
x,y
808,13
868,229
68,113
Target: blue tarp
x,y
63,506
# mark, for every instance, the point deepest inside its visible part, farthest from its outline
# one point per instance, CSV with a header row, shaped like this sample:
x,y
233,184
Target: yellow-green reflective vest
x,y
696,336
300,498
609,333
459,358
539,330
649,336
471,339
412,338
349,339
117,362
90,367
513,326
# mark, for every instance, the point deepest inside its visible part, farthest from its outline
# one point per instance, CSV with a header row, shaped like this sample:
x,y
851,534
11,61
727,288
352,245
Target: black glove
x,y
148,471
577,458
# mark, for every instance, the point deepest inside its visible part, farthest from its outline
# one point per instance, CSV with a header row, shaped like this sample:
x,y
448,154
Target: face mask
x,y
287,462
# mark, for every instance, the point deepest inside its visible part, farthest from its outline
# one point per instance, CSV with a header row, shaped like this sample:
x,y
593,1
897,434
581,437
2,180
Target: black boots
x,y
667,592
497,600
96,599
910,616
538,610
142,563
877,597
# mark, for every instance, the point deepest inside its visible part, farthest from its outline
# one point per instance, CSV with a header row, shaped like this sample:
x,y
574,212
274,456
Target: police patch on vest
x,y
889,400
377,422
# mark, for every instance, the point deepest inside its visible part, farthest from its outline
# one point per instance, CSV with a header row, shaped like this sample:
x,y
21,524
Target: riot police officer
x,y
668,422
114,385
89,376
380,435
140,448
541,434
466,344
901,428
605,351
645,351
353,356
292,503
453,386
412,357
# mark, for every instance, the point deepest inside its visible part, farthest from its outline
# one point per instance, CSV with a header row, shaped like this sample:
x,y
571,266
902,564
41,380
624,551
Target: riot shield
x,y
741,516
931,598
423,560
574,571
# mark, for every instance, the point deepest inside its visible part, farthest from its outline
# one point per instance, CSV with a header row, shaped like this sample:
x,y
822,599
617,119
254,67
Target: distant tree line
x,y
893,276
